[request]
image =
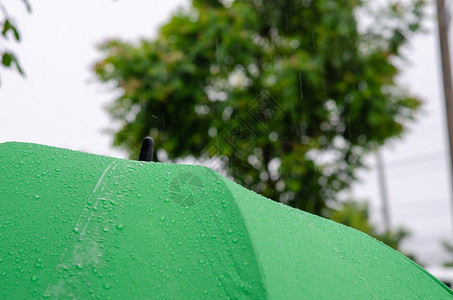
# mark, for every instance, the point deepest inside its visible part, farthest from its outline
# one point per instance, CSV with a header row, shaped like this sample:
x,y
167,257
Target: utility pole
x,y
442,18
383,191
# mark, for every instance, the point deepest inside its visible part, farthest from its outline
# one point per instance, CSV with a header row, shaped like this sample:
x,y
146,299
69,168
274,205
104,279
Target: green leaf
x,y
7,59
19,67
8,26
27,5
16,33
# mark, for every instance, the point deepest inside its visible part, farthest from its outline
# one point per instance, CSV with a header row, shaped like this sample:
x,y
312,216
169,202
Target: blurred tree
x,y
9,30
286,96
448,247
355,215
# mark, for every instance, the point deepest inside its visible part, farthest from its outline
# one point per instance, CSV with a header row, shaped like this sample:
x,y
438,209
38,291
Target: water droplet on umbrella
x,y
36,196
120,226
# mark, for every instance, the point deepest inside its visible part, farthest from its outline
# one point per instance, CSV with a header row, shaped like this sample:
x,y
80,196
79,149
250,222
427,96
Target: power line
x,y
416,160
419,201
424,163
421,170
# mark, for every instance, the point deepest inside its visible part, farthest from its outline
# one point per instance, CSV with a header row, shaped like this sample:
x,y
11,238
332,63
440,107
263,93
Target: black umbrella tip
x,y
146,151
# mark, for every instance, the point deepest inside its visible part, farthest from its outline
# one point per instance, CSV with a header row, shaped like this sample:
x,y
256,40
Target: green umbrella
x,y
78,225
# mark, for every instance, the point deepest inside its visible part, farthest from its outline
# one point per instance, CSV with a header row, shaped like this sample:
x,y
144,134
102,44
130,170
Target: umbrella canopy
x,y
78,225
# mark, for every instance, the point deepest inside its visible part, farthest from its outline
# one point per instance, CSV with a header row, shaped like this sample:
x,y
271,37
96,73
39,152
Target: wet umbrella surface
x,y
77,225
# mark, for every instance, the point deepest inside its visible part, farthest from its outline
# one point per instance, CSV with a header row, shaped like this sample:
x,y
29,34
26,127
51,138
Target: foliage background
x,y
197,89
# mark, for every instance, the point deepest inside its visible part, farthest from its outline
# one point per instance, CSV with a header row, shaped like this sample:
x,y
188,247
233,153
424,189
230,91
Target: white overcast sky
x,y
60,104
